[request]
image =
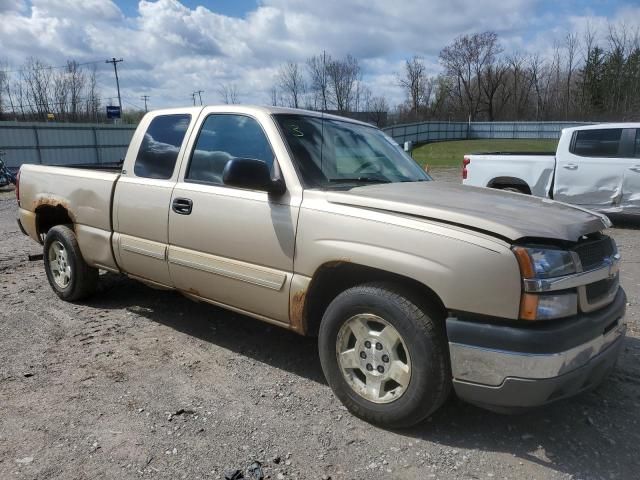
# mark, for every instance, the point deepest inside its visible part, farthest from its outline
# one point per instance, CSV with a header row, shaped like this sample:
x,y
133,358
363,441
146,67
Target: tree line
x,y
39,92
583,78
594,76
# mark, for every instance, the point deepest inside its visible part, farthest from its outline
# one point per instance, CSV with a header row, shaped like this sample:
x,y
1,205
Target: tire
x,y
69,275
398,404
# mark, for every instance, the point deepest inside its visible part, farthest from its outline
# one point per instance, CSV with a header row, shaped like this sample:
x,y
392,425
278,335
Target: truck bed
x,y
534,168
85,193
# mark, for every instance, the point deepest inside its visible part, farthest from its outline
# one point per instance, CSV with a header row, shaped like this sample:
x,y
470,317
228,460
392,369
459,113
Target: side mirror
x,y
251,174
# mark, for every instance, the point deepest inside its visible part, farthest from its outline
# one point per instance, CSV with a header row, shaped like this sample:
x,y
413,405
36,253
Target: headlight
x,y
538,262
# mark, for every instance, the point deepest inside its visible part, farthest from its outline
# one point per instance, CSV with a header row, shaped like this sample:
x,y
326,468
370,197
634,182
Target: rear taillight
x,y
18,186
465,161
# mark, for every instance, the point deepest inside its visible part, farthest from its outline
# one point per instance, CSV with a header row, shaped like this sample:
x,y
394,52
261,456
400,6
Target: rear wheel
x,y
68,274
384,355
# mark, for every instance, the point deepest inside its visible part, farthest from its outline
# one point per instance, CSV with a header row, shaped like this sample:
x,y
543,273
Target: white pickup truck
x,y
595,167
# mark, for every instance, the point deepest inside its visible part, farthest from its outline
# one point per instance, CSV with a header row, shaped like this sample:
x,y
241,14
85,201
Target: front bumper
x,y
506,367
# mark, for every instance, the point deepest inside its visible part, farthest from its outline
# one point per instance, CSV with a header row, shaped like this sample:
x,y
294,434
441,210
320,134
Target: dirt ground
x,y
137,383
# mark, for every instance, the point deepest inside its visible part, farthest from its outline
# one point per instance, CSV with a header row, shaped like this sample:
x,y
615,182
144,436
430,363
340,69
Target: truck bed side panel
x,y
85,194
535,170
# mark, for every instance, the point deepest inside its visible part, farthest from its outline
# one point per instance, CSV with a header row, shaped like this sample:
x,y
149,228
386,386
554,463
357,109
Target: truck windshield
x,y
331,153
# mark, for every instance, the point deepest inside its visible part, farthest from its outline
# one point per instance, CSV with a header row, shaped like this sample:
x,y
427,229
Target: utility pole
x,y
115,69
193,97
145,98
199,92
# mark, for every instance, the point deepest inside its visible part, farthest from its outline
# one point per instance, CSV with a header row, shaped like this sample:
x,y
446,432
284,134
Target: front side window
x,y
597,143
331,153
223,137
160,146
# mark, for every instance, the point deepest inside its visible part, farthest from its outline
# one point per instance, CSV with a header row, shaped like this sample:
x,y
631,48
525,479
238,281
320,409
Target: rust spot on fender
x,y
51,201
297,318
195,292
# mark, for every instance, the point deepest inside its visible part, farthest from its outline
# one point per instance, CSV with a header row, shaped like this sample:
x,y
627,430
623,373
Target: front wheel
x,y
68,274
384,355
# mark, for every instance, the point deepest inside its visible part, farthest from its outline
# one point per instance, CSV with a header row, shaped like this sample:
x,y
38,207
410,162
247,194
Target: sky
x,y
172,48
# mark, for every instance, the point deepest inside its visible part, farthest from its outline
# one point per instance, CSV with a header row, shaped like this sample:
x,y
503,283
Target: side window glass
x,y
637,155
160,146
223,137
597,143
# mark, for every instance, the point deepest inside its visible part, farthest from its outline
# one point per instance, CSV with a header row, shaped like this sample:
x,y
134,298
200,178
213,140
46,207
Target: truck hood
x,y
504,214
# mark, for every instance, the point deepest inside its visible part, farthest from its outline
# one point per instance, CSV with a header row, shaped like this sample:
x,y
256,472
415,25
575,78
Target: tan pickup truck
x,y
324,226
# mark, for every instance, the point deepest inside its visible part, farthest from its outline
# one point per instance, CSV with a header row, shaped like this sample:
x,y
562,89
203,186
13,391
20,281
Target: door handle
x,y
570,166
182,206
635,168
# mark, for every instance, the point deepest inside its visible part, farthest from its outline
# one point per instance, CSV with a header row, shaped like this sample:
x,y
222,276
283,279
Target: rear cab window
x,y
161,145
597,142
637,149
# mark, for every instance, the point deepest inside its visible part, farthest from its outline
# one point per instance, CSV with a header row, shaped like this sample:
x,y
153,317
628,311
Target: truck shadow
x,y
595,435
626,222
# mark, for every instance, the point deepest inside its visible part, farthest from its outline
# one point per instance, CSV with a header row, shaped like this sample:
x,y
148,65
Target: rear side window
x,y
597,143
637,143
222,138
160,146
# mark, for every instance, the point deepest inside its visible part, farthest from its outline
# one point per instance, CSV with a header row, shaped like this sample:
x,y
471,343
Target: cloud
x,y
170,49
12,6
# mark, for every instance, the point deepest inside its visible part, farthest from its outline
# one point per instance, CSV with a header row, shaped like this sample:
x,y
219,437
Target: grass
x,y
449,154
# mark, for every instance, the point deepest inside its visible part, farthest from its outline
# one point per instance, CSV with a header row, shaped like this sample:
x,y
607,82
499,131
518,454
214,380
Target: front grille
x,y
598,290
592,253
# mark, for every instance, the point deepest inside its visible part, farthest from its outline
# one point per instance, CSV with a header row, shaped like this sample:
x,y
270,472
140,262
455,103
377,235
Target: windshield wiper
x,y
359,179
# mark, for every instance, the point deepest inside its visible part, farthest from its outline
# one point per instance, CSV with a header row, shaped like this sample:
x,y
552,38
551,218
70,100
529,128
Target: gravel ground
x,y
139,383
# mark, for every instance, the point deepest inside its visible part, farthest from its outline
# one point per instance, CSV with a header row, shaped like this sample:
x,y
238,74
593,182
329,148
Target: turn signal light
x,y
529,306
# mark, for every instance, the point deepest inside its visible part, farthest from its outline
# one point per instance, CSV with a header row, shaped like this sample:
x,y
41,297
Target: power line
x,y
49,67
131,103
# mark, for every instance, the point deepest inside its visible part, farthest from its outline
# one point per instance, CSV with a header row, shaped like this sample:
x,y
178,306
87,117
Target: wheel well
x,y
48,216
333,278
510,182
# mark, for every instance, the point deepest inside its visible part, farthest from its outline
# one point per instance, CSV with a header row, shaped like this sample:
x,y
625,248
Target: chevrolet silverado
x,y
324,226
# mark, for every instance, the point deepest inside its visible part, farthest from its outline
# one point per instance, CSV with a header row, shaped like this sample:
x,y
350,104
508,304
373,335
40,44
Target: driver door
x,y
229,245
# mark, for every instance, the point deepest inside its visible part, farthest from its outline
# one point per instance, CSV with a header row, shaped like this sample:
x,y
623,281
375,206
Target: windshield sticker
x,y
295,130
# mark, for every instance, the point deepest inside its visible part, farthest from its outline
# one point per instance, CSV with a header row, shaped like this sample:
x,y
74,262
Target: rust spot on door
x,y
296,312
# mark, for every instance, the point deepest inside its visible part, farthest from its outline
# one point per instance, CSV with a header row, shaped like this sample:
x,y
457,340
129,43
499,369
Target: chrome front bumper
x,y
508,368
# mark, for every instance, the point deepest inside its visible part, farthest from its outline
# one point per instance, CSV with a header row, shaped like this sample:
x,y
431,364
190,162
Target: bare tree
x,y
414,82
343,75
60,88
571,43
492,81
37,76
319,79
378,109
465,61
291,83
229,93
273,93
92,99
76,84
4,80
